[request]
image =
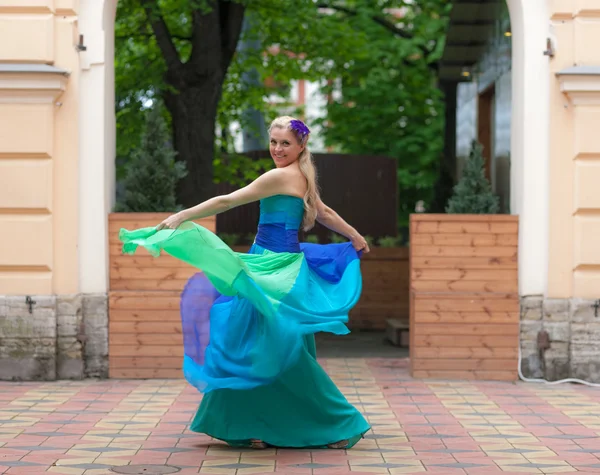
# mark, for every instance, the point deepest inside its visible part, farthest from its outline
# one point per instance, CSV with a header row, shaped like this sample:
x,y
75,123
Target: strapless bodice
x,y
279,222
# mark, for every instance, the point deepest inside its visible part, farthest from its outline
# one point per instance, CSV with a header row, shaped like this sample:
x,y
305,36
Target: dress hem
x,y
244,442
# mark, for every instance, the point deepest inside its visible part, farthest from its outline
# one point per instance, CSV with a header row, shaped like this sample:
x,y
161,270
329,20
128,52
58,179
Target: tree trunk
x,y
193,111
195,87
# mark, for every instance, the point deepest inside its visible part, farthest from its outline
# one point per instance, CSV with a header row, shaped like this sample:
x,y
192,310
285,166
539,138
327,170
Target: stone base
x,y
574,332
63,337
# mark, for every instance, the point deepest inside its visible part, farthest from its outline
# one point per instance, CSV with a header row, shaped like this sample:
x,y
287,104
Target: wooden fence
x,y
385,293
144,332
362,189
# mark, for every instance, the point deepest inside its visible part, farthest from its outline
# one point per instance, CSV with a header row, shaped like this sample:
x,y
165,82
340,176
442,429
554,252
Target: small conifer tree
x,y
473,192
152,173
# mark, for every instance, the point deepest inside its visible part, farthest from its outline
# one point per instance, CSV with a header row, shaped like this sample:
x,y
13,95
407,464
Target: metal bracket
x,y
30,302
80,46
549,48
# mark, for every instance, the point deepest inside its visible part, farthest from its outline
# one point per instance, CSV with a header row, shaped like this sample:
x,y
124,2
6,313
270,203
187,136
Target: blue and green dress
x,y
248,323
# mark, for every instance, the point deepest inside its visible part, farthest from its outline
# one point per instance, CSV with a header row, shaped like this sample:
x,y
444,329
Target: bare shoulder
x,y
275,176
286,181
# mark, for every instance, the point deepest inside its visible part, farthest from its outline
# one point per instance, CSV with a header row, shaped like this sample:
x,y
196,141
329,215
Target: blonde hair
x,y
308,169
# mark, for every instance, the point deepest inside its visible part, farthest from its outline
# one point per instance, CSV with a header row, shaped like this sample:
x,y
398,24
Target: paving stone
x,y
460,412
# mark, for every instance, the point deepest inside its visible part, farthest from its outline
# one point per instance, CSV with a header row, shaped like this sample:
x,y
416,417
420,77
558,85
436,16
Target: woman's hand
x,y
360,244
172,222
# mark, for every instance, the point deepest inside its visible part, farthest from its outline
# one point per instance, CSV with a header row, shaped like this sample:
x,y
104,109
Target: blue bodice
x,y
279,222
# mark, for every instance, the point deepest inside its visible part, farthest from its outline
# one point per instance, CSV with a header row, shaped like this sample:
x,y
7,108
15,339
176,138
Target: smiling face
x,y
285,147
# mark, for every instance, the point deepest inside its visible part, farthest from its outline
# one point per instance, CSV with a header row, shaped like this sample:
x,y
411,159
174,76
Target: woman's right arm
x,y
331,220
270,183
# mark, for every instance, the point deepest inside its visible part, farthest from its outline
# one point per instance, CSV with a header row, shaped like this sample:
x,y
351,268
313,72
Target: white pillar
x,y
97,143
530,140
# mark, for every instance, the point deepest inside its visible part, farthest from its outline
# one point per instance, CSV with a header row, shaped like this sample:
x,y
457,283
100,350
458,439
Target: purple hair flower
x,y
300,128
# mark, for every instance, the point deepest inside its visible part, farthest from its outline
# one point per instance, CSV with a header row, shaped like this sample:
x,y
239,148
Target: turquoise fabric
x,y
303,408
249,345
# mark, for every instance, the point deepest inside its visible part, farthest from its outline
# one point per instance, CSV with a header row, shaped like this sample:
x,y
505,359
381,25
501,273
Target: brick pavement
x,y
88,427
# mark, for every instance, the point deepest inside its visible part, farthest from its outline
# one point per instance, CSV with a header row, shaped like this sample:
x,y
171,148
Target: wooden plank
x,y
132,315
467,375
465,239
464,227
464,217
465,262
378,311
465,296
463,251
143,339
145,362
464,274
486,305
385,268
143,220
467,317
155,373
144,300
464,341
133,285
384,298
464,286
155,273
394,254
143,262
134,349
162,329
460,329
471,364
458,352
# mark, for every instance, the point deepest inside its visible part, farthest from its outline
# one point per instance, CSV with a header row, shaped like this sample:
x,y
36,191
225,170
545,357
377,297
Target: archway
x,y
529,139
529,147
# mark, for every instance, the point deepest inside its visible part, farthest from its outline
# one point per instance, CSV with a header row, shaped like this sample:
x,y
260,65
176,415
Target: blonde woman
x,y
249,319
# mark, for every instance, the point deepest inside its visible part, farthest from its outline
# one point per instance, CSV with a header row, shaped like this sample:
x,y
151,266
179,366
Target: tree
x,y
153,172
184,52
473,192
180,51
388,101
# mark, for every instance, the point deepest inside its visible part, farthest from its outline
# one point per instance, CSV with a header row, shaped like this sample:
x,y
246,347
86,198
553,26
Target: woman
x,y
263,386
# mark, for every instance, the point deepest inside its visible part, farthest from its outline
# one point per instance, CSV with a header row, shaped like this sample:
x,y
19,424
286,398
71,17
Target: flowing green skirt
x,y
301,409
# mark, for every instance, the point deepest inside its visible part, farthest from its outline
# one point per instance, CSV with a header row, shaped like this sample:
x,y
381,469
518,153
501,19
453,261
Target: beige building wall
x,y
574,230
38,147
57,152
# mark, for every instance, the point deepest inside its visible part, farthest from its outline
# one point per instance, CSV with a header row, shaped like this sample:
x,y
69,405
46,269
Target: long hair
x,y
308,169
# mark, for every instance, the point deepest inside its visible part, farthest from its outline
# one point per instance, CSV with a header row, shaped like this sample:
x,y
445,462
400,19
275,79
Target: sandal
x,y
342,444
257,444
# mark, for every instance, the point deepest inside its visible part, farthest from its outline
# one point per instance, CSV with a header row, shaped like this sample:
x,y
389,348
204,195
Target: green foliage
x,y
389,103
293,27
231,239
239,169
336,238
390,241
153,173
473,192
312,238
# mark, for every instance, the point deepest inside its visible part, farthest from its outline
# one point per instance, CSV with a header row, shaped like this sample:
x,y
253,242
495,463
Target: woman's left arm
x,y
331,220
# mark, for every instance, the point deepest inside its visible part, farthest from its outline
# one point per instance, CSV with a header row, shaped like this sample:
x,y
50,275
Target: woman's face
x,y
285,148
